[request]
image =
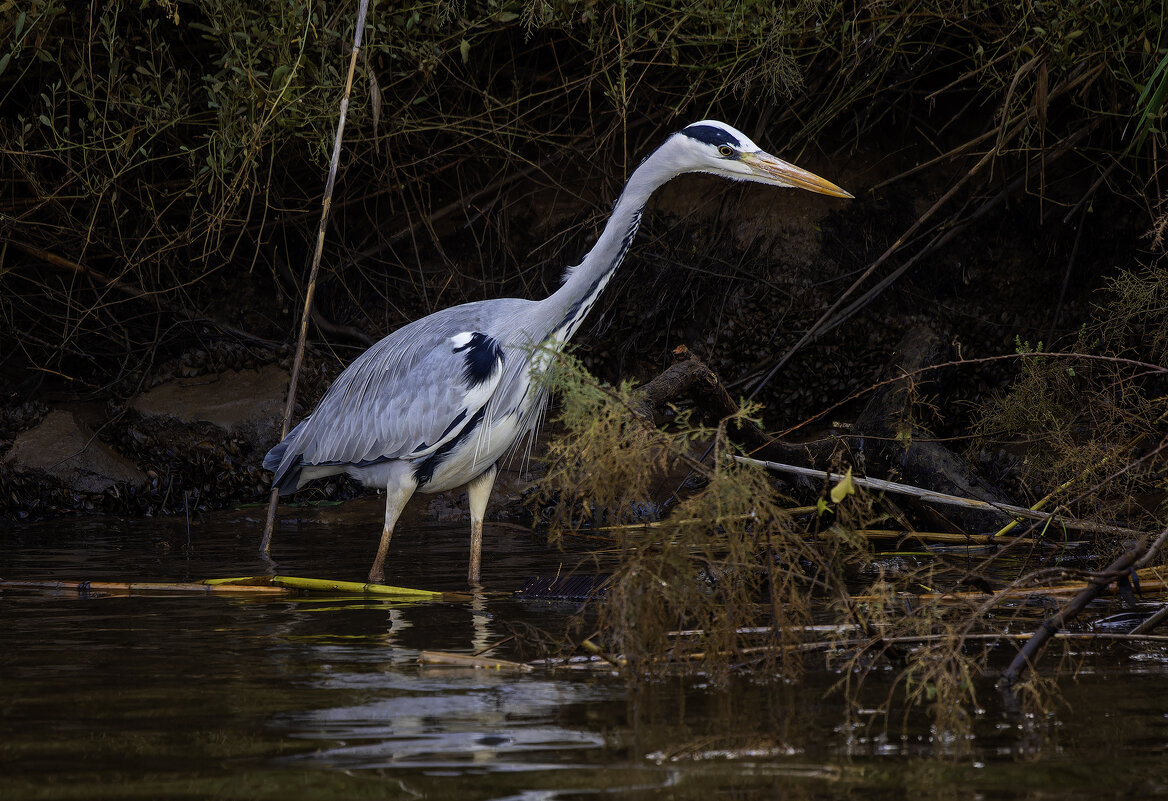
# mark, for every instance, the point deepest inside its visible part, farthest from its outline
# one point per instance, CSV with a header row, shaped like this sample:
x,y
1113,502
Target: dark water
x,y
213,697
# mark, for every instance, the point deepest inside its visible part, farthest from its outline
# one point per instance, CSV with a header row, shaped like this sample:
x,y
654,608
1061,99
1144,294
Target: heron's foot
x,y
377,575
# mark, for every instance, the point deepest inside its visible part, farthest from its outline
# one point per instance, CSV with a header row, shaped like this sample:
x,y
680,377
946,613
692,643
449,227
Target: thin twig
x,y
1132,559
1148,367
952,231
129,290
931,496
824,319
290,404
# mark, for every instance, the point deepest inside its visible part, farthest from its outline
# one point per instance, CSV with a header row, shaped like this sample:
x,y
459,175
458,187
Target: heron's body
x,y
437,403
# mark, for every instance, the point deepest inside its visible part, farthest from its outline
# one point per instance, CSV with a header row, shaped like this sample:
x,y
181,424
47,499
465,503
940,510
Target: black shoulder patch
x,y
481,353
711,135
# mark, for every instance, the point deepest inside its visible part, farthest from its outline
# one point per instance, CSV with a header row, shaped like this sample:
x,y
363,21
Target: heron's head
x,y
717,148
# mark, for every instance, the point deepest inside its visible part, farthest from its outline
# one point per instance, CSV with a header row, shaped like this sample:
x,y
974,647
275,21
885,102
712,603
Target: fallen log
x,y
689,378
447,659
888,442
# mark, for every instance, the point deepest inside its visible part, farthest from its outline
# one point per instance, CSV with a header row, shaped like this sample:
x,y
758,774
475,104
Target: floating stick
x,y
944,498
255,585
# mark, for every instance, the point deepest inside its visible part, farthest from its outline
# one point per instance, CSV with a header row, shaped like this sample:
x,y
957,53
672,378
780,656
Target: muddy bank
x,y
188,444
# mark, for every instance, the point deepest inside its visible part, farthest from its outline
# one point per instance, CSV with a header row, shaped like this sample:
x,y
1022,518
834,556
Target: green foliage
x,y
1150,103
165,107
604,433
1133,318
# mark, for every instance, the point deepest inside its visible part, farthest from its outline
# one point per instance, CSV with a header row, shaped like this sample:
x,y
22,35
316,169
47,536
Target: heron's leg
x,y
395,501
478,493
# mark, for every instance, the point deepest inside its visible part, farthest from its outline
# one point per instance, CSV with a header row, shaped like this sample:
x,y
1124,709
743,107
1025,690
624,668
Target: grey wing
x,y
408,394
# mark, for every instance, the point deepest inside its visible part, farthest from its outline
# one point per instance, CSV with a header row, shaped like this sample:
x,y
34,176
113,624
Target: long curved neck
x,y
567,306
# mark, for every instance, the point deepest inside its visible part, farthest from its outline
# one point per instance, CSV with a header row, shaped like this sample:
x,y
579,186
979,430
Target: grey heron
x,y
436,404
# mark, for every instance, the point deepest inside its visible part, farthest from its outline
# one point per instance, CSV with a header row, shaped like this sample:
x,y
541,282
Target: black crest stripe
x,y
711,135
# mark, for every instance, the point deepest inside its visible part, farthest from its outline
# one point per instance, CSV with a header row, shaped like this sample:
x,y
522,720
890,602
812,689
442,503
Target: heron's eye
x,y
726,151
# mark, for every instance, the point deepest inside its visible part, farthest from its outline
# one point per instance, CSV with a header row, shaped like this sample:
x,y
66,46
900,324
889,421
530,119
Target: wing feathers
x,y
413,391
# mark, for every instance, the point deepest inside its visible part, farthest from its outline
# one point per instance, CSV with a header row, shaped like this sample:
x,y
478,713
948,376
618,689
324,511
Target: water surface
x,y
162,696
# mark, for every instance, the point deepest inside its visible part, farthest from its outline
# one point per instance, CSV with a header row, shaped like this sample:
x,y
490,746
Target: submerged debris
x,y
564,588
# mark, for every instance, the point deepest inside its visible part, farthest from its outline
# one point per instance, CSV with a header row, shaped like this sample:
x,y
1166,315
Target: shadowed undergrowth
x,y
741,575
727,559
162,161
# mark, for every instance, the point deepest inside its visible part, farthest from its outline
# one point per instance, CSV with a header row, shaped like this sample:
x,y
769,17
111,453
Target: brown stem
x,y
1140,554
298,361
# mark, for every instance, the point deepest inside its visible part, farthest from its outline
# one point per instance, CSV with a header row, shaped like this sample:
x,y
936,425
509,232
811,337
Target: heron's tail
x,y
285,466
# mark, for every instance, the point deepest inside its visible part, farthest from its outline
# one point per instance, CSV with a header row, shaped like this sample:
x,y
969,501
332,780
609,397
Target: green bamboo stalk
x,y
194,587
362,588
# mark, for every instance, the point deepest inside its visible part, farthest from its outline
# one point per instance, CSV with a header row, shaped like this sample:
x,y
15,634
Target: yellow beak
x,y
774,170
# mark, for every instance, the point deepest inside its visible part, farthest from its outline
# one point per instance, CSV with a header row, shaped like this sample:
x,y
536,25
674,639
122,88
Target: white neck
x,y
567,306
